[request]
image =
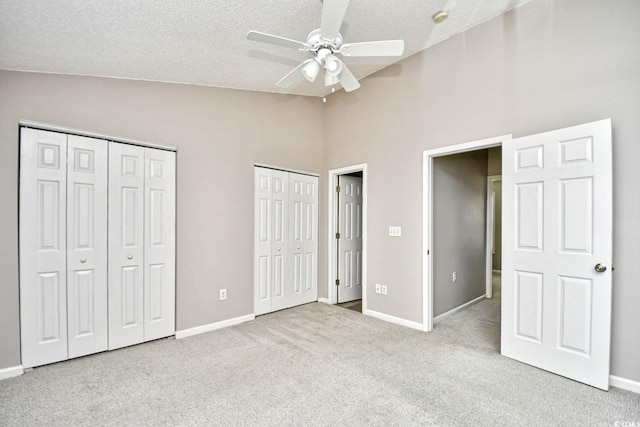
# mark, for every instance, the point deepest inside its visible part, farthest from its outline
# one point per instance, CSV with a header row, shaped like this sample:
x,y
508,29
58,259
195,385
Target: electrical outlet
x,y
395,231
223,294
378,288
384,289
454,276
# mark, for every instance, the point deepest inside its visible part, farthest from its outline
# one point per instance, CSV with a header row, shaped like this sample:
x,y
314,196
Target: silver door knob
x,y
298,247
83,260
600,268
129,256
279,249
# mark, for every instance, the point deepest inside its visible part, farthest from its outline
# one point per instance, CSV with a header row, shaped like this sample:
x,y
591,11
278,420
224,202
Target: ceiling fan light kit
x,y
324,44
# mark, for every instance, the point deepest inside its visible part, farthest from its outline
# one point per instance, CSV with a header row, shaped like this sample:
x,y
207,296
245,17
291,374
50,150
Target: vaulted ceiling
x,y
204,42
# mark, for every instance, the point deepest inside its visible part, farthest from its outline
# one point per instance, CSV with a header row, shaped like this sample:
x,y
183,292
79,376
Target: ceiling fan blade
x,y
347,80
379,48
257,36
294,76
332,15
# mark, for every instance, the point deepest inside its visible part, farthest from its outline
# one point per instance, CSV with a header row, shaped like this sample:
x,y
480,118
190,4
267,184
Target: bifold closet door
x,y
271,268
126,245
159,245
43,247
86,245
286,241
303,238
63,184
141,244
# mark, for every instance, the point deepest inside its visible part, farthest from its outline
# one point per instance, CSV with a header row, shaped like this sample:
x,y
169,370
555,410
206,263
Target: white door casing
x,y
350,241
86,245
126,244
43,251
159,244
557,226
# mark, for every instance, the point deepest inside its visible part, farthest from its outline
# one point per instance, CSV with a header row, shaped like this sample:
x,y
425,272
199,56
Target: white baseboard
x,y
14,371
393,319
458,308
624,384
324,300
213,326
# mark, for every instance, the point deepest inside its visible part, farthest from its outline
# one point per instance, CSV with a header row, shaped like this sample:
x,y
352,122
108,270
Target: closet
x,y
97,245
286,239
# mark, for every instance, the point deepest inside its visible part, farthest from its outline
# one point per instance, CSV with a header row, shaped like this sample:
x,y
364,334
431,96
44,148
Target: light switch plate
x,y
395,231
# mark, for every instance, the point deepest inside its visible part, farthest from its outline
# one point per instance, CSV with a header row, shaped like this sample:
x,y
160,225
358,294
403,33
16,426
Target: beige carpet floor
x,y
313,365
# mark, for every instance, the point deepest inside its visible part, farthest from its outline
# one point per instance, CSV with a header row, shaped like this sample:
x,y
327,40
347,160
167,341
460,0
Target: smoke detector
x,y
440,16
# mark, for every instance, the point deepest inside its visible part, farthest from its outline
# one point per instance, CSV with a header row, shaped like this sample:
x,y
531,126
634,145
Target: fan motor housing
x,y
317,42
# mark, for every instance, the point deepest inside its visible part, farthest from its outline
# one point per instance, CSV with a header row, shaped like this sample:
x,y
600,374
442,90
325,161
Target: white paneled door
x,y
556,268
43,247
142,229
159,246
350,241
86,245
97,245
126,245
63,246
286,239
303,238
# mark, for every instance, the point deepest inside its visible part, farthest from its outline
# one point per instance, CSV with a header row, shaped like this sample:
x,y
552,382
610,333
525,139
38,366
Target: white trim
x,y
55,128
13,371
490,233
624,383
459,308
324,300
213,326
392,319
280,168
331,227
427,225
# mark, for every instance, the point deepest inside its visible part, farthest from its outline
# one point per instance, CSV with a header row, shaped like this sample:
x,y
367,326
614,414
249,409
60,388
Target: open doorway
x,y
347,237
463,229
457,273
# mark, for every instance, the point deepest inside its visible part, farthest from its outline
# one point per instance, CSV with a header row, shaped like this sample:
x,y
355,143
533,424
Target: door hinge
x,y
337,235
337,282
337,189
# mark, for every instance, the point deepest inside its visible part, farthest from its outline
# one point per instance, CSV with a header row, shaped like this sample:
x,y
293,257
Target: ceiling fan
x,y
325,44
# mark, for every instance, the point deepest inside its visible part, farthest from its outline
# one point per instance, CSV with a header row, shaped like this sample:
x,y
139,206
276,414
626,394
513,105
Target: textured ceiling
x,y
203,42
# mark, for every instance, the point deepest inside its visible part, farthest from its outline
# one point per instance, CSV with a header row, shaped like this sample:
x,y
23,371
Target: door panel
x,y
556,308
350,242
303,239
43,237
126,244
282,263
263,266
87,245
159,249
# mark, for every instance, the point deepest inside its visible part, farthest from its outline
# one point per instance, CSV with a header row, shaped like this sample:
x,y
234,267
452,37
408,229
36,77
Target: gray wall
x,y
459,229
219,133
546,65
